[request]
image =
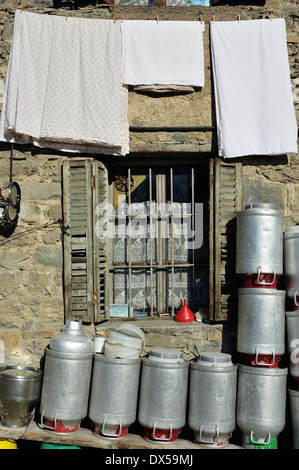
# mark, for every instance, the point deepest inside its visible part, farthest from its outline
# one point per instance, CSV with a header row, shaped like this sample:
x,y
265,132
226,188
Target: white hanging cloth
x,y
163,53
64,85
253,96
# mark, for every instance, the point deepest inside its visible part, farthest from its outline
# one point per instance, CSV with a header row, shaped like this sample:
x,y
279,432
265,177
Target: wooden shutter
x,y
100,241
226,198
78,259
85,186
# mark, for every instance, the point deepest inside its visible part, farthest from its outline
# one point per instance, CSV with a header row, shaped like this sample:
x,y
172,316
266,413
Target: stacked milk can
x,y
261,396
291,269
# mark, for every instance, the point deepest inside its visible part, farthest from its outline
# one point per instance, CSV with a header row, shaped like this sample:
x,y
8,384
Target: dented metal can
x,y
163,395
261,402
259,244
114,395
261,324
67,376
212,399
291,263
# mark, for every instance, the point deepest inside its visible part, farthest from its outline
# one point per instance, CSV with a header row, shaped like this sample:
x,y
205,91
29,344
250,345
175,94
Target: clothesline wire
x,y
157,17
25,232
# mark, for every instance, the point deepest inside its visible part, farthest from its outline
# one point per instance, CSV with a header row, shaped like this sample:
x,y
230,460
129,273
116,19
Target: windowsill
x,y
155,323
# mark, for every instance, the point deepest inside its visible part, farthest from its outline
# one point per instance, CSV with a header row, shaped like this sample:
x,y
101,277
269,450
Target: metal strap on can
x,y
260,441
295,299
45,426
156,438
263,363
215,438
110,434
264,283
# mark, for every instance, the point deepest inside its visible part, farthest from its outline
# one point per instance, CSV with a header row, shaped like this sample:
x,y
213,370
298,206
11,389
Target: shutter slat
x,y
78,245
101,268
228,201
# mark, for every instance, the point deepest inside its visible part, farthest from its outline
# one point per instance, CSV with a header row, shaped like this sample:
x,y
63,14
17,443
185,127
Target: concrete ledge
x,y
165,332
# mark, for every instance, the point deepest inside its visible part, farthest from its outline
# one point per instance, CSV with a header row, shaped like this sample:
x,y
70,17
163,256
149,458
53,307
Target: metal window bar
x,y
172,247
151,241
160,263
193,232
129,241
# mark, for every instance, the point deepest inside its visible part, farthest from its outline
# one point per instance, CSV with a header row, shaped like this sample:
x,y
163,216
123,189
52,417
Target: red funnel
x,y
185,314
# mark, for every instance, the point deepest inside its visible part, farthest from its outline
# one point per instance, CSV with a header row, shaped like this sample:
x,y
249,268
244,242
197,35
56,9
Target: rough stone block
x,y
48,257
41,191
12,340
261,191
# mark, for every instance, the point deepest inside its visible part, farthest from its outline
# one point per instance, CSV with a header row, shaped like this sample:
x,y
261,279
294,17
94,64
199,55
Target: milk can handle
x,y
258,441
295,298
108,433
264,283
262,363
214,441
45,425
161,438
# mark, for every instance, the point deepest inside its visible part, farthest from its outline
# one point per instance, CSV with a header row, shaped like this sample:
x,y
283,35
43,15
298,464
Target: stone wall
x,y
31,282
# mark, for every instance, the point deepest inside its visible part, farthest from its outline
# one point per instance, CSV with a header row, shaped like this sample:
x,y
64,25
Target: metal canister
x,y
261,402
259,245
66,384
261,325
294,407
163,395
114,395
292,327
291,264
212,399
20,388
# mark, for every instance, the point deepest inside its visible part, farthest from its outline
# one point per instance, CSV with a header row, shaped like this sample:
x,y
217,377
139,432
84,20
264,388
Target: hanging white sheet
x,y
163,53
254,107
64,86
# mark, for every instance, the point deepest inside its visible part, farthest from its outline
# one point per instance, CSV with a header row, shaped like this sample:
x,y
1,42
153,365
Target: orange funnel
x,y
185,314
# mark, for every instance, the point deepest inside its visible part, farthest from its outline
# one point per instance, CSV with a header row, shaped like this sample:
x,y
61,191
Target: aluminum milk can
x,y
261,402
163,395
259,245
212,399
66,384
261,325
291,264
294,407
114,395
292,327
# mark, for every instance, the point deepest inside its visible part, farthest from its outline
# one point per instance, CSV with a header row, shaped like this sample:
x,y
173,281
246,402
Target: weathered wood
x,y
211,242
227,202
84,437
77,213
100,242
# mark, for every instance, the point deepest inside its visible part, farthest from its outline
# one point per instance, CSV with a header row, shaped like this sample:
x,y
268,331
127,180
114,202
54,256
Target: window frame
x,y
225,200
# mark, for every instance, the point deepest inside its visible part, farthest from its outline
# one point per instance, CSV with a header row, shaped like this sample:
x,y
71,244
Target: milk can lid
x,y
261,205
131,330
166,355
214,358
71,339
292,230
